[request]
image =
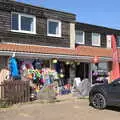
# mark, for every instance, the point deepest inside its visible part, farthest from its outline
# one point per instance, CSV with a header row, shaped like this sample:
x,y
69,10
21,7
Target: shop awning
x,y
50,56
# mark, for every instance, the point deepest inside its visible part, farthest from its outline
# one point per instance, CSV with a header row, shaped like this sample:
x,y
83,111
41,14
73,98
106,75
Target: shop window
x,y
118,41
54,28
99,72
100,66
23,23
95,39
79,37
103,66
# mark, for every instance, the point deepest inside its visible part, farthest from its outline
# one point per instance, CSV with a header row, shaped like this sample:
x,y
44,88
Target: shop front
x,y
68,69
42,67
45,70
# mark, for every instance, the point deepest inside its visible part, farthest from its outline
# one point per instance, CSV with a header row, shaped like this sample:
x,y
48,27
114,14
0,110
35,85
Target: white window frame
x,y
19,23
99,42
109,40
59,25
83,38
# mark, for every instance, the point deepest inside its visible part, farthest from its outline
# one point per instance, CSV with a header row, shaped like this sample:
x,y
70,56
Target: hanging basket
x,y
61,75
54,61
67,63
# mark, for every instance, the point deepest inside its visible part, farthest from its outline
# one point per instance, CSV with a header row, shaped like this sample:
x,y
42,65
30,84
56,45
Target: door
x,y
82,70
114,92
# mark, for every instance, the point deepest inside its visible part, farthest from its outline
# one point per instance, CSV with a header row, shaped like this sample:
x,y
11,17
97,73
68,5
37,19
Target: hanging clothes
x,y
14,72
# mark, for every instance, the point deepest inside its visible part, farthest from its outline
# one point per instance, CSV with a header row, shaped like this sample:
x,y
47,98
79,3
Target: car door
x,y
114,92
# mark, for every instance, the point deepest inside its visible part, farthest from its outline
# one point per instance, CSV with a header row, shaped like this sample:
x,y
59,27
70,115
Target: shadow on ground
x,y
116,109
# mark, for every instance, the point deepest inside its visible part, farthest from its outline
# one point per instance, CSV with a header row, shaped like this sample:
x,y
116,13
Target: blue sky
x,y
99,12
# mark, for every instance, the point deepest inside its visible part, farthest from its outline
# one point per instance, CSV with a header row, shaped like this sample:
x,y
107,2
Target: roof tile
x,y
79,50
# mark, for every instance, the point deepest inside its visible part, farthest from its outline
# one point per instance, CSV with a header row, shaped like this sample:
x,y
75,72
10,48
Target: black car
x,y
103,95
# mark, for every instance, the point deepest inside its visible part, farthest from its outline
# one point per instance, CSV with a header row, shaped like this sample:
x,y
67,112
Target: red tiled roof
x,y
36,49
93,51
79,51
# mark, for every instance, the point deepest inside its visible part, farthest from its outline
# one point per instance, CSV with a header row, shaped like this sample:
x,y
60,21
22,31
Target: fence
x,y
15,91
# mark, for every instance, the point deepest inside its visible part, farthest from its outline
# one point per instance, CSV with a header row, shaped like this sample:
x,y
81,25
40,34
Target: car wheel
x,y
98,101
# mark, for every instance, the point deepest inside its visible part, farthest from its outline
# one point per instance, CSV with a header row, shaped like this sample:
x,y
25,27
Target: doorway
x,y
82,70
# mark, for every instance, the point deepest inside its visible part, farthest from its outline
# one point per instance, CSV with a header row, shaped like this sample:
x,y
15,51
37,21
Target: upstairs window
x,y
79,37
54,28
23,23
108,40
118,41
15,25
95,39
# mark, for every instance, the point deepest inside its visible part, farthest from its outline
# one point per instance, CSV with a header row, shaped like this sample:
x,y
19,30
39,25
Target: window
x,y
54,28
103,66
118,41
108,37
14,21
96,39
79,37
23,23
